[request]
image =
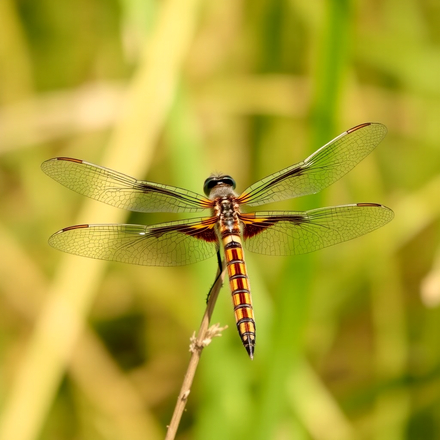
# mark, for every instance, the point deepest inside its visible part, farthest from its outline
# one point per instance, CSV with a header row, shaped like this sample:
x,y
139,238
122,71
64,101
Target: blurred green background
x,y
172,90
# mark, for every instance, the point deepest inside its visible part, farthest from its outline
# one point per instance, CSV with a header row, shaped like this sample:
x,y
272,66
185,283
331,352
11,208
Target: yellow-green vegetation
x,y
170,91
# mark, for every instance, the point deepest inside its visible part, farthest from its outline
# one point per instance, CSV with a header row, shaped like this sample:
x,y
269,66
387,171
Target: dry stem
x,y
204,337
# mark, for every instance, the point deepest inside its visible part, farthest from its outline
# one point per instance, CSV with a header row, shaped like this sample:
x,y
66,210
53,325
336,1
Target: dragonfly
x,y
228,228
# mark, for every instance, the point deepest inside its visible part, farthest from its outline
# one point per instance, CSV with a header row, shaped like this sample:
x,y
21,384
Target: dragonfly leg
x,y
220,270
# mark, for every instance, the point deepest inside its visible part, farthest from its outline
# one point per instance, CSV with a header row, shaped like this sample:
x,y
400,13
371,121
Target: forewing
x,y
166,244
294,233
120,190
319,170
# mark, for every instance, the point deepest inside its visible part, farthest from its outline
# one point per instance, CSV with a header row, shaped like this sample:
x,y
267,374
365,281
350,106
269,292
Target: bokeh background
x,y
172,90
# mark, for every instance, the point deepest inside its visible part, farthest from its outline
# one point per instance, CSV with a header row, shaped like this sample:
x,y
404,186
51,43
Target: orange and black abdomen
x,y
240,289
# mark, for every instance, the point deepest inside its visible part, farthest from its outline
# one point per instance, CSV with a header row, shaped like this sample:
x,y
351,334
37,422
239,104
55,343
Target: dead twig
x,y
198,343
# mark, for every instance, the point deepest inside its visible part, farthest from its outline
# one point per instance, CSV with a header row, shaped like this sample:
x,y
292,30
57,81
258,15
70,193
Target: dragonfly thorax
x,y
227,211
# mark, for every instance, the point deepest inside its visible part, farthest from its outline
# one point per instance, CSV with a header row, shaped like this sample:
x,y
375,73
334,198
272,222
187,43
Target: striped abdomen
x,y
240,289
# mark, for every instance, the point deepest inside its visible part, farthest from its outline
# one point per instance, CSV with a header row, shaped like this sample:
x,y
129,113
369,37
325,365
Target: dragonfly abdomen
x,y
240,290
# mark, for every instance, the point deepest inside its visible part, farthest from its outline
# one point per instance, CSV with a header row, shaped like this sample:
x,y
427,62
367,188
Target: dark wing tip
x,y
68,159
55,235
357,127
367,124
370,204
46,163
389,211
377,205
69,228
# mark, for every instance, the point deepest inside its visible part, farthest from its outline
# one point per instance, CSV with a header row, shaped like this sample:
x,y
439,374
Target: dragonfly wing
x,y
120,190
166,244
294,233
321,169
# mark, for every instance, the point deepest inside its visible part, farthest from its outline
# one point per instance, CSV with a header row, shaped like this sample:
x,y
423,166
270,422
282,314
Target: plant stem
x,y
204,337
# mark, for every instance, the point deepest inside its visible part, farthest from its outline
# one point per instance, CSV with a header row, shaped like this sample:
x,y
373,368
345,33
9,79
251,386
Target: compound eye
x,y
228,180
210,182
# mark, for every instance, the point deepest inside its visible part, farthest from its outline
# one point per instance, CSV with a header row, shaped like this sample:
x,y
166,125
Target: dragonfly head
x,y
217,181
